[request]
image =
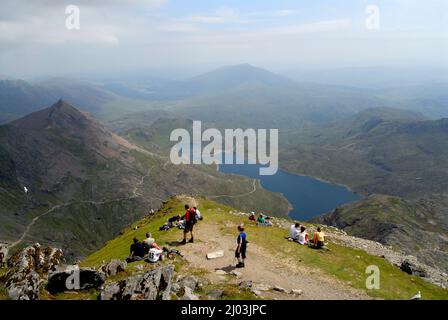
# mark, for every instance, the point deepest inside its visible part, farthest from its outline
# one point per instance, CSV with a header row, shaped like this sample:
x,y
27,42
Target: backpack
x,y
192,216
164,227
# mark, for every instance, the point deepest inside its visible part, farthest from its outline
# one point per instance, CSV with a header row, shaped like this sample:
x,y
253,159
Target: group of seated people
x,y
261,220
148,248
298,234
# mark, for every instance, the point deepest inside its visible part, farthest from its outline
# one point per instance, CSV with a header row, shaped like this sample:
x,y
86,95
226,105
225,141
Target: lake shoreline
x,y
307,196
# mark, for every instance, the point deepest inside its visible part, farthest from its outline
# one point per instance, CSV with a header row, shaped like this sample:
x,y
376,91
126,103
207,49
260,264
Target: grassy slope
x,y
339,262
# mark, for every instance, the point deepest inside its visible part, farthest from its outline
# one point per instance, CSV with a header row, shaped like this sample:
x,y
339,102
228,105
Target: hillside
x,y
85,183
419,227
377,151
275,266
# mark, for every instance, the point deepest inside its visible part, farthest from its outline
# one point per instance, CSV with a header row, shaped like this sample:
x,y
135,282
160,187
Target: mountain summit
x,y
231,77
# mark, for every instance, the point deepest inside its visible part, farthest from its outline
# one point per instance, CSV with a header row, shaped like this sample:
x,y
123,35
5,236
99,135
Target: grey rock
x,y
113,267
28,270
411,268
221,272
245,285
214,294
188,295
262,287
236,273
74,278
296,292
151,285
279,289
187,282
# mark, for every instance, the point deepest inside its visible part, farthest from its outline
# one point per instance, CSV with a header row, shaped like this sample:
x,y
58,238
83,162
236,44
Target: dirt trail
x,y
262,267
254,188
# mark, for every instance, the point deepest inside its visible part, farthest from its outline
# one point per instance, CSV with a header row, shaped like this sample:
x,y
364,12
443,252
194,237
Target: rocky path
x,y
263,268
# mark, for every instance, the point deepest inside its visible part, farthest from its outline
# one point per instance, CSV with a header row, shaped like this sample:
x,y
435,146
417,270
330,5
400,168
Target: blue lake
x,y
309,197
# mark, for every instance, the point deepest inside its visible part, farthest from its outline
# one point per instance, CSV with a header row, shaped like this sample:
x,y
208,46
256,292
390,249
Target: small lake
x,y
308,196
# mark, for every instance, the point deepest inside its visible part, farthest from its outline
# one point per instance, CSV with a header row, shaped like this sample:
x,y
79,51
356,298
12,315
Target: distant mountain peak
x,y
61,114
236,76
63,106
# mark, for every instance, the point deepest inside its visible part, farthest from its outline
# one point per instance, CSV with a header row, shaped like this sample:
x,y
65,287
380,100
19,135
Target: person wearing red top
x,y
190,220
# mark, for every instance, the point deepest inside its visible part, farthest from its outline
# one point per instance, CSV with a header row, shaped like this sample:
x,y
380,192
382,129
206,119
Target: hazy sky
x,y
119,35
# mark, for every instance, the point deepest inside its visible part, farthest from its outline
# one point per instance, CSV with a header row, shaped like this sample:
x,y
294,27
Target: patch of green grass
x,y
346,264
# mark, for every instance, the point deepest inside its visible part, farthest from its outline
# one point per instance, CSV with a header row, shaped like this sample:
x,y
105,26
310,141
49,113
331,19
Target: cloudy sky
x,y
197,35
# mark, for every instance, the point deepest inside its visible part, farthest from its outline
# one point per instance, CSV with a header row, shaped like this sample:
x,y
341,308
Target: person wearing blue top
x,y
240,252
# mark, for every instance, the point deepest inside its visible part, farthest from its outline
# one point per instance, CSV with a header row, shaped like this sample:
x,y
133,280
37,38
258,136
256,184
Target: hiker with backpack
x,y
190,219
240,252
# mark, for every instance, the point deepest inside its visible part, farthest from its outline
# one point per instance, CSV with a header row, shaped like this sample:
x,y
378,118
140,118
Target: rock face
x,y
29,269
74,278
113,267
411,268
152,285
3,253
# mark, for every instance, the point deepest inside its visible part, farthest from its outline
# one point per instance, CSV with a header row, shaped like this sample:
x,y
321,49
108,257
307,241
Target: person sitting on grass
x,y
252,216
149,243
240,252
137,251
261,219
294,231
318,239
173,220
302,236
268,222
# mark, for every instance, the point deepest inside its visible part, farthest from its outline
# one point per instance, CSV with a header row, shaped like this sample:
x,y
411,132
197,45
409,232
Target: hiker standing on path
x,y
190,220
240,252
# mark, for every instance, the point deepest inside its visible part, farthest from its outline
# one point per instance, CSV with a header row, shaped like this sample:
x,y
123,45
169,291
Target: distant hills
x,y
377,151
239,95
18,97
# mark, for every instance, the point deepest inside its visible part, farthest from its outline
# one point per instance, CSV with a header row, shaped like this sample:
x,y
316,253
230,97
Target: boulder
x,y
28,270
188,295
245,285
113,267
215,294
296,292
236,273
215,255
221,272
279,289
411,268
151,285
187,282
262,287
73,278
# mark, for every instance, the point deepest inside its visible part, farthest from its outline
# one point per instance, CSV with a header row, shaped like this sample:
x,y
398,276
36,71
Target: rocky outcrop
x,y
412,268
113,267
151,285
3,253
73,278
28,270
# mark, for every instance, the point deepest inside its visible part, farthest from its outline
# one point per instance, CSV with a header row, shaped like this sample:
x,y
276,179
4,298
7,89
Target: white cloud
x,y
223,15
273,14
